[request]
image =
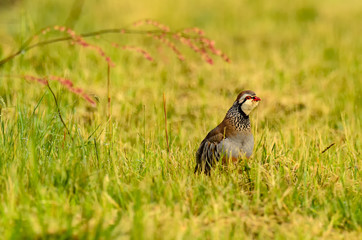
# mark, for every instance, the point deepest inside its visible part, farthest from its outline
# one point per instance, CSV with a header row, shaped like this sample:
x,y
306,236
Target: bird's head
x,y
247,101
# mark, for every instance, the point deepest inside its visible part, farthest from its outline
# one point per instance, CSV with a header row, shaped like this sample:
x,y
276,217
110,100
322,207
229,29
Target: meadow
x,y
119,177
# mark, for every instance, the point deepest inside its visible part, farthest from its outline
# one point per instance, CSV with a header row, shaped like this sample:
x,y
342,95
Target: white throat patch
x,y
249,105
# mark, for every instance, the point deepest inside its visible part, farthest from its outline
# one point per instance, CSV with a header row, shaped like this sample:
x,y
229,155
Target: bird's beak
x,y
256,99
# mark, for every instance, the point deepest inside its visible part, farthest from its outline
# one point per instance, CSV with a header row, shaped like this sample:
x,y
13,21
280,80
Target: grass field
x,y
116,179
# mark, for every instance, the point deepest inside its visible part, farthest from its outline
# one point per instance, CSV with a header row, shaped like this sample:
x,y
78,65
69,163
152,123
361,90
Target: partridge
x,y
232,138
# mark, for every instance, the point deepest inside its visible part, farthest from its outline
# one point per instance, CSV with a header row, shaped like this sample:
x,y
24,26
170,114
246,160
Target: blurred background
x,y
302,57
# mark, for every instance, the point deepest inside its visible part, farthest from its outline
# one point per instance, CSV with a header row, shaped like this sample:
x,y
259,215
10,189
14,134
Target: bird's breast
x,y
237,146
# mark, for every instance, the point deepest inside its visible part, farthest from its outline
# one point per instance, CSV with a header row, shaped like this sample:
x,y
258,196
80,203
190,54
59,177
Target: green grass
x,y
303,58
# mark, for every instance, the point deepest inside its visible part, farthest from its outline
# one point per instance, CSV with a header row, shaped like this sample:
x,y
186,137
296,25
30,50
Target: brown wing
x,y
207,152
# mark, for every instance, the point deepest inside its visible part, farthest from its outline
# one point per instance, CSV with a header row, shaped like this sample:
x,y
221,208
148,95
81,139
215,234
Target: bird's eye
x,y
248,97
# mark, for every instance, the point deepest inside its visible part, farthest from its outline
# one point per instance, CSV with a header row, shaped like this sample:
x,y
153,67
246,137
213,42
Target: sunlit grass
x,y
302,59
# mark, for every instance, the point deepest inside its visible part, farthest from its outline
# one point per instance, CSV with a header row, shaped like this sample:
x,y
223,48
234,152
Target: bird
x,y
232,139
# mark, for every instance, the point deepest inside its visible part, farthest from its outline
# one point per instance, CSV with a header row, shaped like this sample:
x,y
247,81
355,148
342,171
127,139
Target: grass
x,y
303,58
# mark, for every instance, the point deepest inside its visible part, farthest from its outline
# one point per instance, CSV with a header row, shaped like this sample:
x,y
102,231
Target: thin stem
x,y
164,109
328,148
109,106
95,147
58,109
144,132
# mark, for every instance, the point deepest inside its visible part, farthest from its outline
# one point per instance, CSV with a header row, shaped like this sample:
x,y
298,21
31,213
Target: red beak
x,y
256,99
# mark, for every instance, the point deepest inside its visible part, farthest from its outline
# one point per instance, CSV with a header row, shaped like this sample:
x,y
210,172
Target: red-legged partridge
x,y
232,138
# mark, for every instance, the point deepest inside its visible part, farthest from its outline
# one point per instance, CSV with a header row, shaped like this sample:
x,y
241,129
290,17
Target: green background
x,y
302,58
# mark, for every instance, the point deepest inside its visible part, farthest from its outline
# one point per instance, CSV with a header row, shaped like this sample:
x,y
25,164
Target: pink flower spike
x,y
87,98
78,90
182,58
209,61
139,50
138,23
68,83
43,81
63,81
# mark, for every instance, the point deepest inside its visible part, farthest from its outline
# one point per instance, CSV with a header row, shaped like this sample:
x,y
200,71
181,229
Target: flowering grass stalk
x,y
67,83
145,54
193,38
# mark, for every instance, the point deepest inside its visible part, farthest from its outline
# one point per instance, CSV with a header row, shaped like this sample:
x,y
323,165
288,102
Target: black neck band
x,y
241,111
